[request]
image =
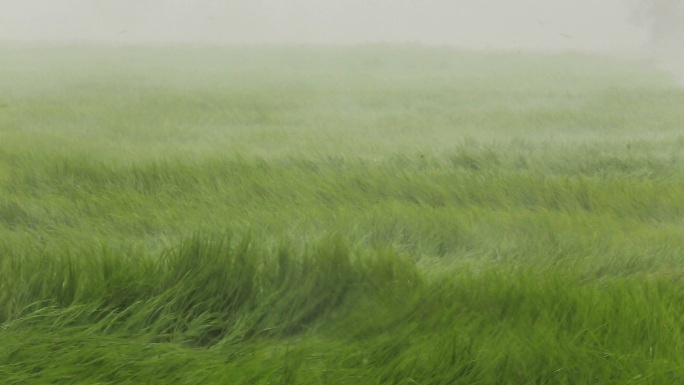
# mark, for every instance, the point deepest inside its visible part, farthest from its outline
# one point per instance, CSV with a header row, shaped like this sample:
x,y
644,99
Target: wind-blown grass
x,y
330,313
355,216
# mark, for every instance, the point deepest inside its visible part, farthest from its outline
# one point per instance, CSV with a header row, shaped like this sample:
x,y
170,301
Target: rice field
x,y
338,215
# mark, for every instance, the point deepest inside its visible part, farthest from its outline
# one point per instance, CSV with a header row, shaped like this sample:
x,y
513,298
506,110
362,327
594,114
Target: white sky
x,y
481,24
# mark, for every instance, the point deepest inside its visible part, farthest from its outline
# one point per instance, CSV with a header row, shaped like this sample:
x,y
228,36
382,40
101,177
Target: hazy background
x,y
590,25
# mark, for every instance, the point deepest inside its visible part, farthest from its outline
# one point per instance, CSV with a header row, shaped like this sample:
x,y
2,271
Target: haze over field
x,y
345,192
607,25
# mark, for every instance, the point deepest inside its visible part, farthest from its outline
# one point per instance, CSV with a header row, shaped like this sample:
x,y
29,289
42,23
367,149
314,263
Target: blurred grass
x,y
147,102
380,215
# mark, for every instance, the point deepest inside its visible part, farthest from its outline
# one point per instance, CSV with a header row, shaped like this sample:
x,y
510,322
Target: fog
x,y
651,29
559,25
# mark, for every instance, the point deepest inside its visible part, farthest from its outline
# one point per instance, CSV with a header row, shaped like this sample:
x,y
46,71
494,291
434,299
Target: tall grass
x,y
374,215
328,311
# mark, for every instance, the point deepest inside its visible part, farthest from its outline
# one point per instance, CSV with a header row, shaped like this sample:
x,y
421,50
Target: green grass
x,y
360,215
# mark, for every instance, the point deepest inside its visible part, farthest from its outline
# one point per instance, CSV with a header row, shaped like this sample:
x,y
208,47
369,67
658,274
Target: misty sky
x,y
481,24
